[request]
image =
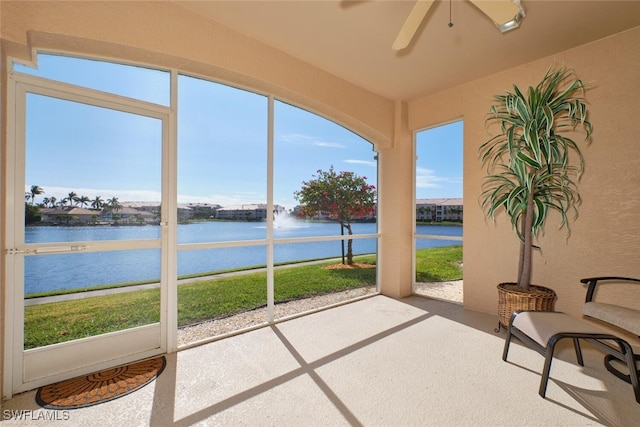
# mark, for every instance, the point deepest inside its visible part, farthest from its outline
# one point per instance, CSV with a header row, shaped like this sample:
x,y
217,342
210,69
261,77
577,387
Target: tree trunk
x,y
521,252
349,245
526,247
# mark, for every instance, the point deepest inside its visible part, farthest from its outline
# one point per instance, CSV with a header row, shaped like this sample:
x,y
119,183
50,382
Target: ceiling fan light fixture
x,y
501,12
515,22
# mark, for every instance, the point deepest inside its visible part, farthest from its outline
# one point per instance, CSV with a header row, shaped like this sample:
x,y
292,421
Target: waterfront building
x,y
69,215
247,212
437,210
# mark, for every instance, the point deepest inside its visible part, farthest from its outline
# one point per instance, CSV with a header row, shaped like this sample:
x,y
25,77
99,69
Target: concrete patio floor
x,y
374,362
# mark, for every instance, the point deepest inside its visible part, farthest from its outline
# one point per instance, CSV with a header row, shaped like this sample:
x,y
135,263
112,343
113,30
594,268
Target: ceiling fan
x,y
506,14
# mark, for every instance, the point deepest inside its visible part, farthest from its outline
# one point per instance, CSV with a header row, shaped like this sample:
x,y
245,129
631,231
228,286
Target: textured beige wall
x,y
605,239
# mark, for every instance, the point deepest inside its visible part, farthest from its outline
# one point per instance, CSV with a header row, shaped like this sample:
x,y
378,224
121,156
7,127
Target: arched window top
x,y
145,84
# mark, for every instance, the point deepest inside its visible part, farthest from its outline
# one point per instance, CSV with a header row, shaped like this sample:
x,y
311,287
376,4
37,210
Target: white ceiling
x,y
352,39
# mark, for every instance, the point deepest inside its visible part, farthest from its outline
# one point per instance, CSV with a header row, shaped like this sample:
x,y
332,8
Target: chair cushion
x,y
540,326
622,317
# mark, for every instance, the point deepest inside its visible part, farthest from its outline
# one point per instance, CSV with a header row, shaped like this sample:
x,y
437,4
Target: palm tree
x,y
83,200
52,201
72,198
114,205
529,172
97,203
35,191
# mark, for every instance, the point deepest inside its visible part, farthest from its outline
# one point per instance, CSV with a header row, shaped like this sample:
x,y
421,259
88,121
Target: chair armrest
x,y
593,281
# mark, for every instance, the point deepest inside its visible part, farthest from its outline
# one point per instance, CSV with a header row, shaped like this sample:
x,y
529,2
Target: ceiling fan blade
x,y
412,23
501,11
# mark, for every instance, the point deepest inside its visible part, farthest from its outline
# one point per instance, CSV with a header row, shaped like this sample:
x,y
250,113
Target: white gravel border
x,y
191,336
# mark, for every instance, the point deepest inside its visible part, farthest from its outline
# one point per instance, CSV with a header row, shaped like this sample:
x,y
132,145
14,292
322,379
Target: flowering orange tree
x,y
342,196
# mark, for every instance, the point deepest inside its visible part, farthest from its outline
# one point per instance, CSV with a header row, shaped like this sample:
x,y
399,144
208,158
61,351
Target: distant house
x,y
150,211
247,212
198,210
437,210
143,206
128,215
69,215
186,211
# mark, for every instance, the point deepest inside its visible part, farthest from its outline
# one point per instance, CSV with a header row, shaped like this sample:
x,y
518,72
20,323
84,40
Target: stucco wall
x,y
605,239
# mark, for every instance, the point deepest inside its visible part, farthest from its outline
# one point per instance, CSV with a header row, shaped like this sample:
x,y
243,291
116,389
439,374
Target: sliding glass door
x,y
86,267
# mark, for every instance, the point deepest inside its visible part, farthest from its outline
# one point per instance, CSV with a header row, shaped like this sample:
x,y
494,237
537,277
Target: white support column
x,y
169,299
395,201
270,257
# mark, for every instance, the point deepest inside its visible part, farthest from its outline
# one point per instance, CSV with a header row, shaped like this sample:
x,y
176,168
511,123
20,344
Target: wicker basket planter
x,y
511,298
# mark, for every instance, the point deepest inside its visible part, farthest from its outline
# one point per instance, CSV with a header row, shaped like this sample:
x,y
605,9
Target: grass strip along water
x,y
216,297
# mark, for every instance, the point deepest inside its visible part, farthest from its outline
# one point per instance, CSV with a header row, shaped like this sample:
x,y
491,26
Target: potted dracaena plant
x,y
530,173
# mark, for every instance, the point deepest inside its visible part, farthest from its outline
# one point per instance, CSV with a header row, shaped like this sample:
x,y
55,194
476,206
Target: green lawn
x,y
439,264
215,297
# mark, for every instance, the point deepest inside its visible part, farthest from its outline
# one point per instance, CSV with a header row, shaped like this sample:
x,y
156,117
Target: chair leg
x,y
576,345
548,358
623,354
507,341
633,370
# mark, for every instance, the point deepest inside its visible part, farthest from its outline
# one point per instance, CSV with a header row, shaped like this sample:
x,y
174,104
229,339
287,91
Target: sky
x,y
439,161
222,142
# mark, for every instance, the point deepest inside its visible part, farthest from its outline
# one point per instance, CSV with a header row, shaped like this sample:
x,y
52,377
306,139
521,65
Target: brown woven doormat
x,y
100,387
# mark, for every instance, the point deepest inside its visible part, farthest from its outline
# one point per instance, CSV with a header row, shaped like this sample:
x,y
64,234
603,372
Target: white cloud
x,y
301,139
328,144
425,178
